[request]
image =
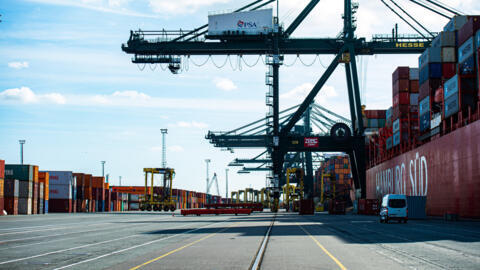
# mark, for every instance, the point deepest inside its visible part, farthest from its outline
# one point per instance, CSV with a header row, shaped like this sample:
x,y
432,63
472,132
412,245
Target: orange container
x,y
35,174
44,177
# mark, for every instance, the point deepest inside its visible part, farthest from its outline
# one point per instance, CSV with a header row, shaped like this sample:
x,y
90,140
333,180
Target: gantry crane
x,y
168,47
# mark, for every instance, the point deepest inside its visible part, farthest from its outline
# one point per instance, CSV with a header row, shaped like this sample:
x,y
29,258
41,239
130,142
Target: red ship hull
x,y
446,170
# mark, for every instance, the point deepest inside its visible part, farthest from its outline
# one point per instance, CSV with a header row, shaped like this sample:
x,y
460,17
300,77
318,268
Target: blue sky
x,y
68,89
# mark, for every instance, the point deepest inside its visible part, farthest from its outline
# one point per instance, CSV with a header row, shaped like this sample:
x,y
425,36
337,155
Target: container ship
x,y
428,142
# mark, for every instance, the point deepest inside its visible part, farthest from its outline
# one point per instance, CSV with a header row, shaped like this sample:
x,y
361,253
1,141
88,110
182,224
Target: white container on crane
x,y
257,22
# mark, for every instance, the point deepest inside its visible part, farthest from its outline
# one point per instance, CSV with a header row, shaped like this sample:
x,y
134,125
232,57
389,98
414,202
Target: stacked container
x,y
80,201
338,167
11,193
60,191
23,173
87,186
35,191
108,197
133,202
2,183
98,192
405,102
44,178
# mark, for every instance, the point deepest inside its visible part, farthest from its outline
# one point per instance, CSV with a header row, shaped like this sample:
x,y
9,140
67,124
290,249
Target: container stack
x,y
124,202
108,197
2,184
87,186
98,192
60,191
338,168
133,202
44,178
35,191
24,174
11,193
405,104
80,201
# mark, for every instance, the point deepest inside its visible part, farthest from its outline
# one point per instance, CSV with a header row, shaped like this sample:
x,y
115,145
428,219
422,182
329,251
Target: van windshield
x,y
396,203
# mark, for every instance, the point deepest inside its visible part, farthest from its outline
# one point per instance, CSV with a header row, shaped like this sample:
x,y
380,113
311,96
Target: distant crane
x,y
164,149
214,179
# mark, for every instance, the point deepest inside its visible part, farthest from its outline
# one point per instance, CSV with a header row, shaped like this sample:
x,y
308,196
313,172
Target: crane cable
x,y
400,16
413,19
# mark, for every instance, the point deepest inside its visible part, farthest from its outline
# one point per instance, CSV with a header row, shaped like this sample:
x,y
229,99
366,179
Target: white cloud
x,y
175,148
111,6
130,94
225,84
181,6
18,65
299,93
193,124
26,96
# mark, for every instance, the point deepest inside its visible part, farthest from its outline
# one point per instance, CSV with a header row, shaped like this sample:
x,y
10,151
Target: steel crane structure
x,y
169,46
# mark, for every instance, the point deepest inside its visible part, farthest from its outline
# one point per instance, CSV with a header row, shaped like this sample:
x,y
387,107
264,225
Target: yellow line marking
x,y
182,247
324,249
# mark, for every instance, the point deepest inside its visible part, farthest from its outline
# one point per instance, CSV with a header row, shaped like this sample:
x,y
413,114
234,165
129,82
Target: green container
x,y
20,172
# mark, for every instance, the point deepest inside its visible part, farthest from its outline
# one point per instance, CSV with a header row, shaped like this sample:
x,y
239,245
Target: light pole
x,y
226,183
207,161
103,168
22,142
164,150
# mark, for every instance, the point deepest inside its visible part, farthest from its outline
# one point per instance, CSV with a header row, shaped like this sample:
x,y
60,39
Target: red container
x,y
402,98
60,206
469,29
2,169
400,111
306,207
1,206
368,207
449,70
10,205
414,86
400,73
35,198
428,88
401,85
375,114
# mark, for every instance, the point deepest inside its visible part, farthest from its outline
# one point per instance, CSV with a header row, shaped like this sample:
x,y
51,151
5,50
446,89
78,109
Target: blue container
x,y
468,66
396,139
450,87
477,39
396,126
432,70
389,143
424,105
425,121
417,207
451,105
466,50
45,206
103,206
430,55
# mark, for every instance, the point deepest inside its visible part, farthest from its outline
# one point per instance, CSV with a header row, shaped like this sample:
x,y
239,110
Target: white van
x,y
394,207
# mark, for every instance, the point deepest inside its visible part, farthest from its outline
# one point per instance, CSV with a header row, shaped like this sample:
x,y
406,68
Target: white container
x,y
60,191
449,55
60,177
255,22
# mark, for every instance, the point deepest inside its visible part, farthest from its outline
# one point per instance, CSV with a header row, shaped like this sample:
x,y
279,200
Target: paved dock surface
x,y
145,240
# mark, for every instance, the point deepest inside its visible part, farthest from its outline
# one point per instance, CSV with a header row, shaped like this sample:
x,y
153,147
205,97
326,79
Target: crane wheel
x,y
172,208
165,208
155,208
149,208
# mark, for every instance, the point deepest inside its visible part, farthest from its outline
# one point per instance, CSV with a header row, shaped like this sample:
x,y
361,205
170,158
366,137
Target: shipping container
x,y
25,189
469,29
24,206
402,98
35,198
414,86
449,54
414,74
60,206
401,85
449,70
450,87
445,39
424,105
451,106
456,23
2,169
430,71
401,73
20,172
425,121
467,67
60,178
60,191
10,205
429,87
429,56
11,188
257,22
